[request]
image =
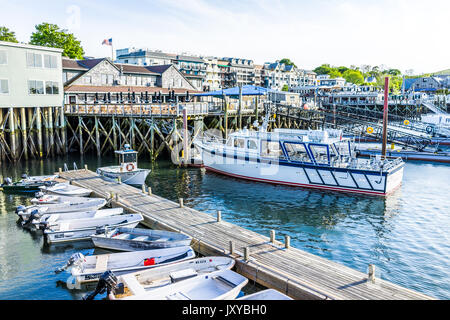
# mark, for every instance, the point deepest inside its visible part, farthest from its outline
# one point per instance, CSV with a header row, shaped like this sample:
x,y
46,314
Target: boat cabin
x,y
303,146
127,158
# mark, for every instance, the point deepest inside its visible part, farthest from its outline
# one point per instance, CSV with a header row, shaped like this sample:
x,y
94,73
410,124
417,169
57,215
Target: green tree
x,y
288,62
323,69
50,35
285,88
353,76
334,73
7,35
394,72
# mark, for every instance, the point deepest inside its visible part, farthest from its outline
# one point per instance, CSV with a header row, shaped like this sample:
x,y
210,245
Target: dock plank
x,y
295,272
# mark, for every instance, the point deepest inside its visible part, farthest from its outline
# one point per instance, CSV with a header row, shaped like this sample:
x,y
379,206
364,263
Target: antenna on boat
x,y
385,117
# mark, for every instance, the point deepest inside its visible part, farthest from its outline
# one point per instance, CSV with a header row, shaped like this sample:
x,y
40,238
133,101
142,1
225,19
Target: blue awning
x,y
247,90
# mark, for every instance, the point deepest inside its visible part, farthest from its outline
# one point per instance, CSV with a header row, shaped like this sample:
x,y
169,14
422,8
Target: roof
x,y
131,68
90,63
124,89
30,46
189,58
72,64
247,90
408,82
158,69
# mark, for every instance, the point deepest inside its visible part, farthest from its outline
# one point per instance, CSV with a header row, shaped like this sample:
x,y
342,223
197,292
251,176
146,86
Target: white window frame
x,y
6,58
34,60
7,82
51,56
36,94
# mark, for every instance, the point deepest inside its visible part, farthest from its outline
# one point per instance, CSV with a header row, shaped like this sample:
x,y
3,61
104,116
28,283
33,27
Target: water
x,y
405,235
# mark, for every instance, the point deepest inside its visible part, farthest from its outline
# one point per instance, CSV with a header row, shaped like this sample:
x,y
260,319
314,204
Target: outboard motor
x,y
24,176
39,194
73,260
7,181
107,281
33,215
20,208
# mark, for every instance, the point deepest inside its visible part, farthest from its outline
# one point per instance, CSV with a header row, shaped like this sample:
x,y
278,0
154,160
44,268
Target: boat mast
x,y
385,117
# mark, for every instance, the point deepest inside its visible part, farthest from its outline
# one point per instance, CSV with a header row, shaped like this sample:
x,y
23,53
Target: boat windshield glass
x,y
239,143
320,153
297,152
271,149
129,157
251,144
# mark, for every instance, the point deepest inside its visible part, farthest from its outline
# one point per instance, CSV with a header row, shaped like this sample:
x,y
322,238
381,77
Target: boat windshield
x,y
128,157
297,152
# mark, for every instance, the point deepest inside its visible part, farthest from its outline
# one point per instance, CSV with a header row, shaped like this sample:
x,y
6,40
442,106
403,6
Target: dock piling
x,y
272,236
149,191
231,247
143,188
287,242
86,167
119,180
180,200
371,277
246,253
219,215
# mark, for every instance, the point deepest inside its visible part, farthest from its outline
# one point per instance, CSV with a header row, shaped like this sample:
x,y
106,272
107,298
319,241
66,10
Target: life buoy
x,y
406,122
130,167
429,129
369,130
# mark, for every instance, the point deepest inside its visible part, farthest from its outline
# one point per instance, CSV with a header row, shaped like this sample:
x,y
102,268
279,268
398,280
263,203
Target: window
x,y
87,79
239,143
271,149
251,144
4,89
3,57
50,61
35,87
320,153
297,152
34,60
51,87
109,79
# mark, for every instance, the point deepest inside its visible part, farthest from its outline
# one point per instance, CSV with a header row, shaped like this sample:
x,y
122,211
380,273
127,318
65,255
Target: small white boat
x,y
47,220
66,189
268,294
127,169
127,239
218,285
82,229
34,179
85,204
42,198
90,268
142,281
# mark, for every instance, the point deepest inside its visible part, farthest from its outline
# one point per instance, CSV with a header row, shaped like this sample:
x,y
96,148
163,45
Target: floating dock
x,y
271,263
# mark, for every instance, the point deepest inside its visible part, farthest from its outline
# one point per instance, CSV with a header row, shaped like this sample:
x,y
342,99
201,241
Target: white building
x,y
30,76
212,78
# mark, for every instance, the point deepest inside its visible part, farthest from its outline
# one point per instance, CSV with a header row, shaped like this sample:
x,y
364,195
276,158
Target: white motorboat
x,y
218,285
268,294
47,220
83,204
319,159
34,179
139,282
82,229
66,189
90,268
43,199
127,239
127,170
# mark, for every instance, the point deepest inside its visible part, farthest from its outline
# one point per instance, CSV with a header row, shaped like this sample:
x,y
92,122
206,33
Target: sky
x,y
402,34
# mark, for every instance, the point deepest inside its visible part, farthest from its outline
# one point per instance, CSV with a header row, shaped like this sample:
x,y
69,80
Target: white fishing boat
x,y
268,294
44,199
82,229
142,281
47,220
127,169
127,239
83,204
66,189
320,159
218,285
34,179
90,268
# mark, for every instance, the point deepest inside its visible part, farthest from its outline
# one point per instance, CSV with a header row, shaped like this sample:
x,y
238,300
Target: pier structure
x,y
263,259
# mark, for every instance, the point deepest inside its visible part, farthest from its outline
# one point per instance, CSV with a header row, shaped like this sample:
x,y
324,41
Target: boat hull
x,y
308,176
136,177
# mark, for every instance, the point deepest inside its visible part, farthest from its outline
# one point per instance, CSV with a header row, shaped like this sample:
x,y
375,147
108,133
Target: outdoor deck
x,y
297,273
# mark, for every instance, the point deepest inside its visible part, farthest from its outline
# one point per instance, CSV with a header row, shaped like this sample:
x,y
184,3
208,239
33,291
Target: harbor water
x,y
406,235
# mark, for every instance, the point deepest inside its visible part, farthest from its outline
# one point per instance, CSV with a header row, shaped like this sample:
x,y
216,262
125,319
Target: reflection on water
x,y
406,235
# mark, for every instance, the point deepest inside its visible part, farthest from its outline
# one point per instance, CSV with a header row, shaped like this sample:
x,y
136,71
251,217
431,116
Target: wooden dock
x,y
299,274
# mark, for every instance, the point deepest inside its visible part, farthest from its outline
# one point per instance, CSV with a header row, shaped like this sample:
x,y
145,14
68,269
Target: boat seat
x,y
102,262
122,236
140,238
162,239
182,275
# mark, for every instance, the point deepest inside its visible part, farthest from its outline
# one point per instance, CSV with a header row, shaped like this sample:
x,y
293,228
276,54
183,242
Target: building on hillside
x,y
259,75
241,72
278,75
324,80
193,68
101,80
432,83
143,57
213,78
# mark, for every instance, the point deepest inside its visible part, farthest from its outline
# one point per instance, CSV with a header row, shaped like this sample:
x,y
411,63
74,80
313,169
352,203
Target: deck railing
x,y
137,110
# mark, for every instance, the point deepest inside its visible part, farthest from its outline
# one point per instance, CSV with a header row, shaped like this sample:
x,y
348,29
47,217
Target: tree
x,y
7,35
394,72
334,73
288,62
353,76
323,69
50,35
285,88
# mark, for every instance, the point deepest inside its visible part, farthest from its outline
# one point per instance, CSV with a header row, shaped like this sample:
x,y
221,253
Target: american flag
x,y
108,42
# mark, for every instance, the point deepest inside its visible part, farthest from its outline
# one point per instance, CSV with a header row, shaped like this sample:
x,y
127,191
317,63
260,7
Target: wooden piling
x,y
219,215
97,137
287,241
62,128
39,131
272,236
180,201
371,274
149,191
23,125
246,253
231,247
12,134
